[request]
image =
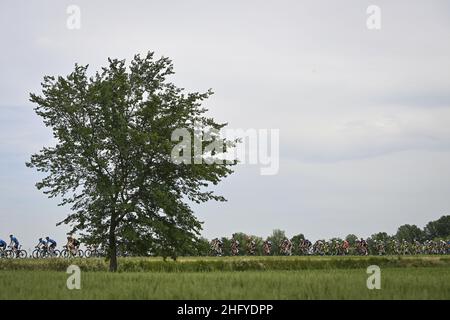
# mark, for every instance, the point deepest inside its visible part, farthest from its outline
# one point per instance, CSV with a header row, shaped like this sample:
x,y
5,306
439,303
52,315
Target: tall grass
x,y
397,283
200,264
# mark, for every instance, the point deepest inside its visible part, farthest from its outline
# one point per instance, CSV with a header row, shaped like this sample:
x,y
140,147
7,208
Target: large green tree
x,y
112,160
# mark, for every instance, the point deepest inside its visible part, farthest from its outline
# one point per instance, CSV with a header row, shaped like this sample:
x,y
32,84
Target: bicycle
x,y
36,252
17,253
3,253
47,252
71,253
93,252
267,248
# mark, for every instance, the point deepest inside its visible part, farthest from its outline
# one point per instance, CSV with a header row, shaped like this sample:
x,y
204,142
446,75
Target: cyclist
x,y
307,246
219,247
76,243
267,246
69,244
72,244
252,246
345,246
363,246
216,246
14,244
286,247
41,244
52,244
234,245
2,245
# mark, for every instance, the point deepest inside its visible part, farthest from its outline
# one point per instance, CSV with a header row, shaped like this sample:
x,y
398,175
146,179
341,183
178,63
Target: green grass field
x,y
277,278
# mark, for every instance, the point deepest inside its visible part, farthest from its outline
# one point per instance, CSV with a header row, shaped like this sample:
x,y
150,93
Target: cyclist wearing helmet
x,y
42,243
76,243
345,246
69,244
267,246
14,242
363,242
52,243
2,244
72,244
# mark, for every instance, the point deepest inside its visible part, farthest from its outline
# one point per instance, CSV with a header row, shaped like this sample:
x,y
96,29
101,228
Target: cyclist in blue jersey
x,y
41,244
51,243
14,242
2,244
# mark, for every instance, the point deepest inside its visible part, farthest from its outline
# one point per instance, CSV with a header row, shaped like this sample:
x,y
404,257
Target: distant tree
x,y
409,233
112,157
380,236
202,247
259,245
438,229
226,246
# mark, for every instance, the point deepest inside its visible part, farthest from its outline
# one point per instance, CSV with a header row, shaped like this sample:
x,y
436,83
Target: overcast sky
x,y
364,115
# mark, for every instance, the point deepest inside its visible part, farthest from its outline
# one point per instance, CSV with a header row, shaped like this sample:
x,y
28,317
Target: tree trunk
x,y
112,245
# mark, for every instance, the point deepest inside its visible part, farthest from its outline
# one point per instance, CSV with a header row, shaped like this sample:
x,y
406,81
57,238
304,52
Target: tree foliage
x,y
439,228
112,159
409,233
380,236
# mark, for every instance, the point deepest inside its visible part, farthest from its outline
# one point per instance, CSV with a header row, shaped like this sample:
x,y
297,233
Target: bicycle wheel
x,y
56,254
88,253
22,254
36,253
65,254
80,253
